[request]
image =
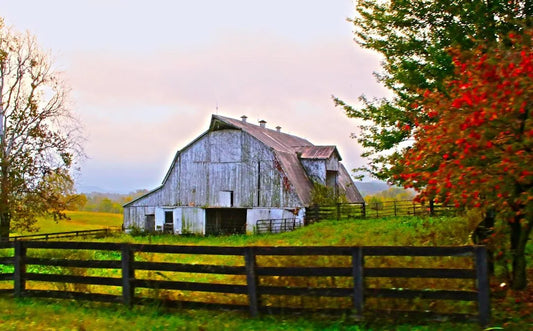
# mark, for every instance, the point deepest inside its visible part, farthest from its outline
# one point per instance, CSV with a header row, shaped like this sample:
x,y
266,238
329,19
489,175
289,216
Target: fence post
x,y
357,272
431,207
251,280
338,211
414,209
482,275
395,208
363,210
128,275
19,274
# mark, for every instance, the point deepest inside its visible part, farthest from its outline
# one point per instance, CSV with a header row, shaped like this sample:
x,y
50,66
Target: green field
x,y
78,220
511,310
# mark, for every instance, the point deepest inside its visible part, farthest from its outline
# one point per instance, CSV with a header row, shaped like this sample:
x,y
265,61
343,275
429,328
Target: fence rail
x,y
68,234
254,285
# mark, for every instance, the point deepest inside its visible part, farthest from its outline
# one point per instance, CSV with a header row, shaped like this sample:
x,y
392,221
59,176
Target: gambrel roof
x,y
288,150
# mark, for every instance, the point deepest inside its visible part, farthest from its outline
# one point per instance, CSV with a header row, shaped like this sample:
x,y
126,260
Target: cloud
x,y
140,108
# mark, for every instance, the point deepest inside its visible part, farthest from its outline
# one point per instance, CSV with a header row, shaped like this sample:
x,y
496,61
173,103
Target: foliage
x,y
474,148
104,202
39,138
393,193
413,37
323,195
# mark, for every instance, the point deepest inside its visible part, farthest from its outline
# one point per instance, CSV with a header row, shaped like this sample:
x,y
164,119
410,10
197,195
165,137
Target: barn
x,y
235,174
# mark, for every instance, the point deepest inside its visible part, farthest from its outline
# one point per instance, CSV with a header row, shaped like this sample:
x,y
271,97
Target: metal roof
x,y
317,152
288,149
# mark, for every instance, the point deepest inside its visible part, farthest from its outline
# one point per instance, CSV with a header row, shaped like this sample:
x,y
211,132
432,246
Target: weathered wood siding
x,y
316,170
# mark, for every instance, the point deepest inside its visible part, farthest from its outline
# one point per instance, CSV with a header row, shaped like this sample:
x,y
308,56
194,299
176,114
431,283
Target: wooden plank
x,y
483,290
304,271
7,260
73,295
358,279
303,250
419,250
427,315
128,275
306,291
172,249
195,268
55,278
191,286
74,245
19,274
422,294
251,280
6,244
7,277
108,264
421,273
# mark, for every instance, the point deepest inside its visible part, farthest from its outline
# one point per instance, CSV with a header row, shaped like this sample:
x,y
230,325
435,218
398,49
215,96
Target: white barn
x,y
235,174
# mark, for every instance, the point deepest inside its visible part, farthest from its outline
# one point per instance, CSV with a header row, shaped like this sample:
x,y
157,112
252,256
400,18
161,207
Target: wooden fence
x,y
277,225
69,234
253,273
374,210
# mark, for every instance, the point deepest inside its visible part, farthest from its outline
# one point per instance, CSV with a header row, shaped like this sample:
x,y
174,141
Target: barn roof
x,y
289,149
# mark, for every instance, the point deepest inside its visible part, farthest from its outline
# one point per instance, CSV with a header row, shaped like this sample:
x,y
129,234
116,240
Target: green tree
x,y
413,37
475,146
39,138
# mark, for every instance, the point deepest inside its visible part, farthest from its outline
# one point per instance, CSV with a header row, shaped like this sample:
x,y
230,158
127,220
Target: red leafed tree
x,y
475,148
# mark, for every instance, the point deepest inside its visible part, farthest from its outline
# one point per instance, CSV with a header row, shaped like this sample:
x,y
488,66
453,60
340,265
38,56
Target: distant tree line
x,y
101,202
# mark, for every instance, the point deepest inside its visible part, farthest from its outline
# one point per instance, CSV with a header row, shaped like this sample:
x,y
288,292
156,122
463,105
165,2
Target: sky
x,y
146,76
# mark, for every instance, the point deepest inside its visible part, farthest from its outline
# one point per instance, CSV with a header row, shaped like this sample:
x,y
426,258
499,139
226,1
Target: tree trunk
x,y
5,221
519,237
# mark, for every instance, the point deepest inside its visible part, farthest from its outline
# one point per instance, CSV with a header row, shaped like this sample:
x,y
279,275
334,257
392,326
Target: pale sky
x,y
147,75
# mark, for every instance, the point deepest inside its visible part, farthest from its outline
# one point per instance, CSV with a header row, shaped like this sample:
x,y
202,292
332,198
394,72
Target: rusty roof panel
x,y
317,152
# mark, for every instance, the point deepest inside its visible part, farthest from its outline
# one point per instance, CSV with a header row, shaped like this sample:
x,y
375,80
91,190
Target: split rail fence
x,y
22,257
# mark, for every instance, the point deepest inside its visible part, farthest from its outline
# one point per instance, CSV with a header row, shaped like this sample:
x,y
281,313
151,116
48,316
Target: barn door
x,y
168,226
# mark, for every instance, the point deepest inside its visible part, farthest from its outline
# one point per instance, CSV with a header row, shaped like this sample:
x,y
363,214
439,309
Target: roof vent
x,y
278,128
243,118
262,123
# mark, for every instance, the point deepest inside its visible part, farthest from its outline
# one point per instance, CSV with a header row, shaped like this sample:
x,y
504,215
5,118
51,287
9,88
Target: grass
x,y
511,310
78,220
59,315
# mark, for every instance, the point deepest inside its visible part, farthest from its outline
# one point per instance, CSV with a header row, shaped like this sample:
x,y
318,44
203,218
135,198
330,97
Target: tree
x,y
39,138
413,37
474,143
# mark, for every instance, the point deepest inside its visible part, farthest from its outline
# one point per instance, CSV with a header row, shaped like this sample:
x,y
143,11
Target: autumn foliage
x,y
473,144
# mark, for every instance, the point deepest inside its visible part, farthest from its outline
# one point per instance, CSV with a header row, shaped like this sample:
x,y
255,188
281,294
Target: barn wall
x,y
135,216
315,169
230,161
225,160
193,220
